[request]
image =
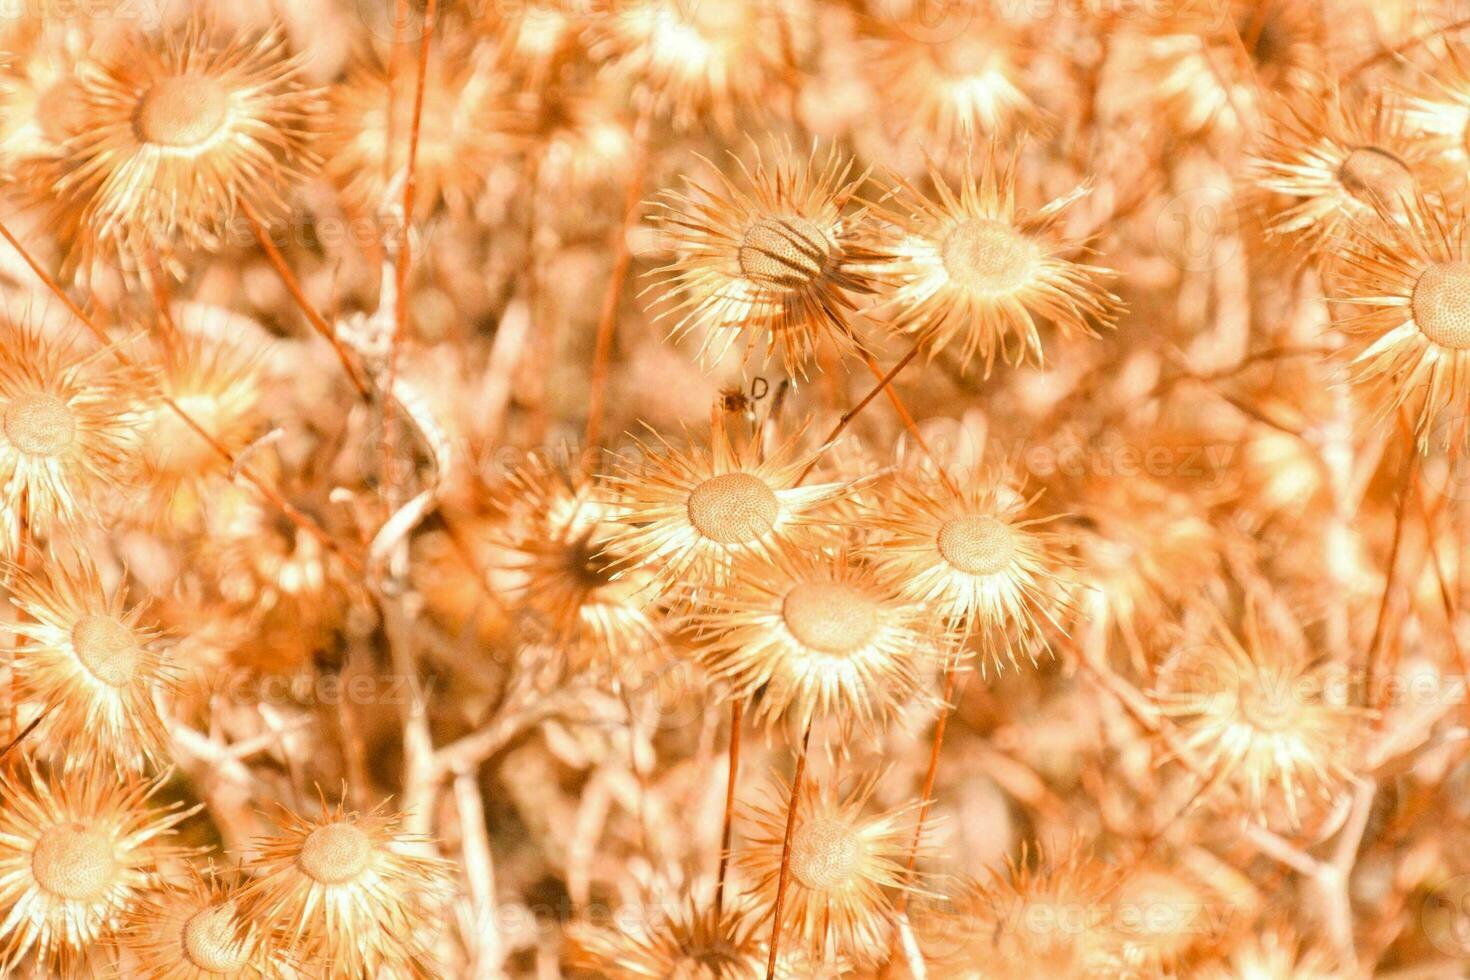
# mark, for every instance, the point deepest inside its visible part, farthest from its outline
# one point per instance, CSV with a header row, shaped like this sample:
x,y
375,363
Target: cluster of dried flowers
x,y
735,489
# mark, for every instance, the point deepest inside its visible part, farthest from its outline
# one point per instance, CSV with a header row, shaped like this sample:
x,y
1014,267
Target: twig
x,y
737,711
293,286
608,315
785,876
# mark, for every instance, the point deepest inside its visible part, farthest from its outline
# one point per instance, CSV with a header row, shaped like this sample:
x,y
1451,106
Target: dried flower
x,y
347,889
817,636
69,423
196,930
1259,714
777,260
178,130
844,862
75,851
692,513
974,268
89,666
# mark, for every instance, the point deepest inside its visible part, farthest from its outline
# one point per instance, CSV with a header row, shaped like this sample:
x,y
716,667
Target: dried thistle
x,y
348,889
977,270
89,666
776,258
75,852
844,862
816,637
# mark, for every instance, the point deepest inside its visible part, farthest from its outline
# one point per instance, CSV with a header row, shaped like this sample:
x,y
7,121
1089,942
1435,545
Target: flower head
x,y
844,864
976,269
178,130
196,930
777,258
559,535
969,553
1410,325
1259,714
695,942
1049,919
346,889
951,90
467,126
69,425
1339,163
88,665
690,514
817,636
75,852
705,60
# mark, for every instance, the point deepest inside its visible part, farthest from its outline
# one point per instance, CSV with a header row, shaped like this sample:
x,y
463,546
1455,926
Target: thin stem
x,y
236,465
785,876
405,245
737,712
1409,45
1380,627
608,315
908,421
22,559
926,800
883,383
293,286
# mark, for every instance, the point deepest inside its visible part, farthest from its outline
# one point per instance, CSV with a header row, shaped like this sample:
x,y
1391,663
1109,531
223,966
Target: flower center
x,y
182,111
39,424
1268,705
733,508
335,854
107,648
211,940
784,253
830,617
1376,176
988,257
1441,304
73,863
977,545
824,854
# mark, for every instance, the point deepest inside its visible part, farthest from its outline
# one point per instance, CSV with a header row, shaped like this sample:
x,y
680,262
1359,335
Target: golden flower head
x,y
1436,103
976,269
954,88
1409,325
699,61
969,553
844,864
818,636
1258,714
75,852
219,385
69,425
180,128
196,930
694,942
692,513
40,99
559,535
89,666
347,889
1339,163
1204,67
777,257
467,126
1037,918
